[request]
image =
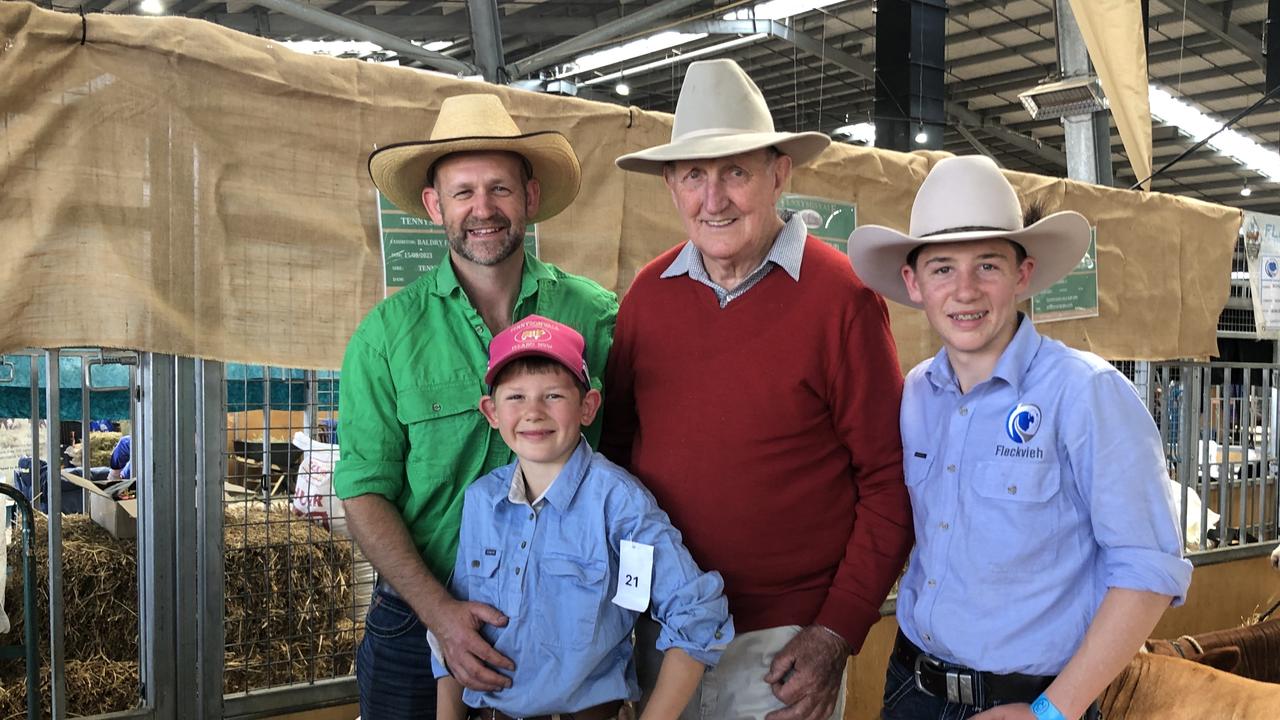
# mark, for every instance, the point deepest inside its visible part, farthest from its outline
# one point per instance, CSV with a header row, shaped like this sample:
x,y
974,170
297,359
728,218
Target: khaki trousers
x,y
733,690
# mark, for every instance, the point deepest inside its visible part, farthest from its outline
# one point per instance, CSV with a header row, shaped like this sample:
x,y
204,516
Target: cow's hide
x,y
1158,687
1252,651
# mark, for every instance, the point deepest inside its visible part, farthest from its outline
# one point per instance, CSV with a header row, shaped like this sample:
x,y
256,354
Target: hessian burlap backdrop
x,y
173,186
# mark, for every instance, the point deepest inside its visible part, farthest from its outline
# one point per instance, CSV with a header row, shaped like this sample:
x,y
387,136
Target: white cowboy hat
x,y
478,122
721,113
968,198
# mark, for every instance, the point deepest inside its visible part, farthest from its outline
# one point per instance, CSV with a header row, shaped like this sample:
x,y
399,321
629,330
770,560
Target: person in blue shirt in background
x,y
570,548
121,459
1046,542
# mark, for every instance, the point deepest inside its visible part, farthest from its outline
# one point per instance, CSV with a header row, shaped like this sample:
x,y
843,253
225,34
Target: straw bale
x,y
99,591
317,656
287,589
100,446
93,687
285,576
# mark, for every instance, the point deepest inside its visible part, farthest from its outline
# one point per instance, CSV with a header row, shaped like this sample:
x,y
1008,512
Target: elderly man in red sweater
x,y
754,388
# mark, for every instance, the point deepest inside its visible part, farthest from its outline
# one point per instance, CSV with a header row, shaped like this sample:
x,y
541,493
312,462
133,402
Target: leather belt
x,y
959,684
604,711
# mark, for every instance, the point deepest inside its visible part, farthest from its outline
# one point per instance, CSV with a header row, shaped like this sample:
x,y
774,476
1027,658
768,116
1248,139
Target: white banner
x,y
1262,250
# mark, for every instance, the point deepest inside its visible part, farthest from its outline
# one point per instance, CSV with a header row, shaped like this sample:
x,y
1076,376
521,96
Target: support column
x,y
1088,136
486,39
910,59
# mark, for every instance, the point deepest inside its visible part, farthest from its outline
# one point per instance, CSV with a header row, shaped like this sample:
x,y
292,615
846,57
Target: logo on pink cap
x,y
537,335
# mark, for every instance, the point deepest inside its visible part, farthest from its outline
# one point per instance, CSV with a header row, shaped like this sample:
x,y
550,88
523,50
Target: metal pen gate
x,y
1219,425
245,606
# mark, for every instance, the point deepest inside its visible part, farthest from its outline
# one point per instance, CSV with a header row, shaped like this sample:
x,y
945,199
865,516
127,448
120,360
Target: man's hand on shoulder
x,y
806,675
468,656
1017,711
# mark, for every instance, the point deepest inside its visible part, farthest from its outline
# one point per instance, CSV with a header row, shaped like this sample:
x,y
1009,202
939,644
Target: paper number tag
x,y
635,573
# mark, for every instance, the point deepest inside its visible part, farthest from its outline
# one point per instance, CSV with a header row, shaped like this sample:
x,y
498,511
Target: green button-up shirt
x,y
412,377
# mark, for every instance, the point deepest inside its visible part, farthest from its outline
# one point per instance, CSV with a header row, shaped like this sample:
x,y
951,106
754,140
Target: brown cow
x,y
1156,687
1252,651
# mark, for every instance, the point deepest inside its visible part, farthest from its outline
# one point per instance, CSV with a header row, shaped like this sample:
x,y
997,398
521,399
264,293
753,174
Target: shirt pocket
x,y
915,466
570,594
480,567
438,416
1014,526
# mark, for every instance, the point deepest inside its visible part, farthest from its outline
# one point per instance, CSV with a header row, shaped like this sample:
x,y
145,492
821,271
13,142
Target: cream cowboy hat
x,y
721,113
470,123
968,198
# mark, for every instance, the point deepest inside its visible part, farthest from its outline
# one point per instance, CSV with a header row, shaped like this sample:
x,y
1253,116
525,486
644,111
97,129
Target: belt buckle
x,y
959,683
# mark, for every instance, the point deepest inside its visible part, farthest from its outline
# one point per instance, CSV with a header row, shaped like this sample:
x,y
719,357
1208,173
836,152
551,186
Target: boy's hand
x,y
468,656
806,675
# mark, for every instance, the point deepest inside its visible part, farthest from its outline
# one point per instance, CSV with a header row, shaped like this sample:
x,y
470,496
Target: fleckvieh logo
x,y
1022,423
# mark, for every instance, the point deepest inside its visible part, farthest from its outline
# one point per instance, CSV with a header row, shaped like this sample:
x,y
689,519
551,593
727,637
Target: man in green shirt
x,y
412,436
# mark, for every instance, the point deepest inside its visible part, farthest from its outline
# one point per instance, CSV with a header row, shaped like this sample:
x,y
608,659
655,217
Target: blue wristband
x,y
1044,709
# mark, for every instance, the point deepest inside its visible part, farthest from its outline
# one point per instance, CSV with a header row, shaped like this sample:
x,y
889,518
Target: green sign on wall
x,y
412,246
1074,296
827,220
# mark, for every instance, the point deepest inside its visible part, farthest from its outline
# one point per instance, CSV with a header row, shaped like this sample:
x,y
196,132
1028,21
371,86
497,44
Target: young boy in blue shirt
x,y
571,549
1046,542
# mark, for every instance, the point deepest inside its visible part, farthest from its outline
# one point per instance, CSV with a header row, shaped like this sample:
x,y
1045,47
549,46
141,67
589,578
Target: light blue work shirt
x,y
552,569
1032,494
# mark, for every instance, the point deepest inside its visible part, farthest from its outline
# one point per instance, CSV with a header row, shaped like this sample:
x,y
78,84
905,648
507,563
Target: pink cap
x,y
536,335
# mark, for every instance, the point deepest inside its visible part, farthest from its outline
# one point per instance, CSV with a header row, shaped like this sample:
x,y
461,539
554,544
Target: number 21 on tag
x,y
635,574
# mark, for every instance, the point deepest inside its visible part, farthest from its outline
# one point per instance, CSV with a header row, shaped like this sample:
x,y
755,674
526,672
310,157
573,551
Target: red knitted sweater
x,y
768,430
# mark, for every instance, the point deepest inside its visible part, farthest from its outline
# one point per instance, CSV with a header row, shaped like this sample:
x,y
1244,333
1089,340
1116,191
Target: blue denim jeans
x,y
393,664
904,701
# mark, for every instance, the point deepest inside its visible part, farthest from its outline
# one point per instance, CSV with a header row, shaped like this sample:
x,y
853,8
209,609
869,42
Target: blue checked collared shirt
x,y
786,253
552,569
1032,494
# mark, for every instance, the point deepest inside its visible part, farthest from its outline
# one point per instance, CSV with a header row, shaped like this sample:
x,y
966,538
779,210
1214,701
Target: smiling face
x,y
540,412
969,291
728,204
483,201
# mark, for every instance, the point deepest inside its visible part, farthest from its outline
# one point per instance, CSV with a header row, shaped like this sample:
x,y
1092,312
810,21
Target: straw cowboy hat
x,y
469,123
721,113
968,198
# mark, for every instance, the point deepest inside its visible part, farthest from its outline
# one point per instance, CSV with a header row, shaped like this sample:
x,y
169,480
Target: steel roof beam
x,y
1212,21
415,26
991,126
344,25
590,39
976,143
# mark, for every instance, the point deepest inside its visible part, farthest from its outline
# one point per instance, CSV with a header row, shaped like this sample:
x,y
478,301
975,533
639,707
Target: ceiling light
x,y
708,50
152,7
1073,96
1246,191
622,89
863,133
772,10
358,48
628,51
1171,111
922,137
778,9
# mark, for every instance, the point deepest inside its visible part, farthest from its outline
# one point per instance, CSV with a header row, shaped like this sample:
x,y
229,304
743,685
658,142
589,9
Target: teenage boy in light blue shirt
x,y
1046,542
571,549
